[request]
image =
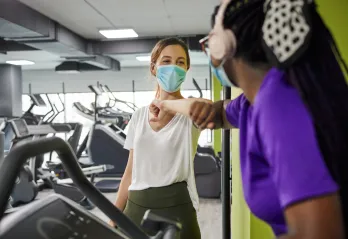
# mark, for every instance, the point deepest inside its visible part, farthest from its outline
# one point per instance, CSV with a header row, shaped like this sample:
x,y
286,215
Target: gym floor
x,y
209,215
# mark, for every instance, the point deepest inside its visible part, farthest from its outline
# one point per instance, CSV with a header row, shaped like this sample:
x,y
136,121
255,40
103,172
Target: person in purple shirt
x,y
292,115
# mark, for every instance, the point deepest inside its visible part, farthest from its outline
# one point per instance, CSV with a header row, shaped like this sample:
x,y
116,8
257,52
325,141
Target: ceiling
x,y
146,17
150,18
42,59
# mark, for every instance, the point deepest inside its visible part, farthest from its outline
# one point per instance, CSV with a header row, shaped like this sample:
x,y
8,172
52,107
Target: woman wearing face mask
x,y
292,115
159,174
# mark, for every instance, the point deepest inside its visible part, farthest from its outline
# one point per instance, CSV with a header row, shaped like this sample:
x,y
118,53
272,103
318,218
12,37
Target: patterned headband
x,y
286,30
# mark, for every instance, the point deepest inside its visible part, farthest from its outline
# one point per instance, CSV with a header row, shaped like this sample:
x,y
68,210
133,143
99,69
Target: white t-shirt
x,y
164,157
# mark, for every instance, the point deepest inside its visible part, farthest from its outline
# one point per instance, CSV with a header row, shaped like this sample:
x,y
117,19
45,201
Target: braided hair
x,y
317,76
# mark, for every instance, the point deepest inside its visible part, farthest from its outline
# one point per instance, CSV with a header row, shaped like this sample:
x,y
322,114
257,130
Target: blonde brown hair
x,y
156,52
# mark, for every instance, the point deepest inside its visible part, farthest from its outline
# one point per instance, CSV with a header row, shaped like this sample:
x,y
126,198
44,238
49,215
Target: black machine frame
x,y
11,165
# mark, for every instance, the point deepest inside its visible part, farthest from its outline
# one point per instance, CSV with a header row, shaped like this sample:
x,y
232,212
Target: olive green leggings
x,y
172,202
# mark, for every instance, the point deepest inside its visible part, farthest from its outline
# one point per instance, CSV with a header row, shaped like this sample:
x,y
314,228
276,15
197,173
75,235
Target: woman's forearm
x,y
122,195
181,106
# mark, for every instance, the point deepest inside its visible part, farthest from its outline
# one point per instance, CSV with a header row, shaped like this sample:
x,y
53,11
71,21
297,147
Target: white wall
x,y
48,81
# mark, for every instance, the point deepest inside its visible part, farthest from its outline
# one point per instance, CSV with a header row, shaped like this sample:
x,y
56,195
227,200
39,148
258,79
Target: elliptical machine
x,y
25,189
59,217
21,131
2,155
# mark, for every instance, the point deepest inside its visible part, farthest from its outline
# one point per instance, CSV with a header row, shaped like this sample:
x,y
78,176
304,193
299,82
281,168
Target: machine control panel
x,y
20,128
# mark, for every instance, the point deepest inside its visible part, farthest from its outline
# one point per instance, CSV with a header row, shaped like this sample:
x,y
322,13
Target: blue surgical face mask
x,y
221,75
170,77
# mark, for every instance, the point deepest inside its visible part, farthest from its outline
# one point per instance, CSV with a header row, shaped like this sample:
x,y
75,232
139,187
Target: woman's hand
x,y
154,107
112,224
158,111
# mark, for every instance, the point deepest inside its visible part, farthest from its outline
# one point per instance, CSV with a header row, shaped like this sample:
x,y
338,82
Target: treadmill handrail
x,y
111,99
51,111
129,104
58,112
95,89
197,87
10,168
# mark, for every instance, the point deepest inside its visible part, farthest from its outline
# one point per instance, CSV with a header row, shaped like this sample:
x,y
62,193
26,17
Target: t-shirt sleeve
x,y
288,139
196,132
233,110
128,144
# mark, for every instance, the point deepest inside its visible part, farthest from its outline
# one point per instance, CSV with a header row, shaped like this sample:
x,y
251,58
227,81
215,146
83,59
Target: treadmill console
x,y
37,100
55,217
20,128
95,89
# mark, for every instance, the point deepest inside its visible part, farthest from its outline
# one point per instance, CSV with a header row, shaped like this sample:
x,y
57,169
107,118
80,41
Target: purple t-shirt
x,y
281,162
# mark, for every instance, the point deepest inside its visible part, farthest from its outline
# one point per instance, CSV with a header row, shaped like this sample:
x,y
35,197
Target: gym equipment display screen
x,y
37,99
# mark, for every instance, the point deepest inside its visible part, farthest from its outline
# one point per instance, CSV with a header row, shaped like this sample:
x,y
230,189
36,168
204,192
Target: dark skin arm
x,y
318,218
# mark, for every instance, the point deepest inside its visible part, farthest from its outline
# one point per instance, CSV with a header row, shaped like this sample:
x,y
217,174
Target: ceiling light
x,y
68,72
119,33
144,58
20,62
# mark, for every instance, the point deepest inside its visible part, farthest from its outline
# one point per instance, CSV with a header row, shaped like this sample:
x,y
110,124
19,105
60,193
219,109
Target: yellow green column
x,y
216,97
334,13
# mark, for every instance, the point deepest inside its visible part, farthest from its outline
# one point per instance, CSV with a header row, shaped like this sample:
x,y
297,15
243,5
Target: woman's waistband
x,y
161,197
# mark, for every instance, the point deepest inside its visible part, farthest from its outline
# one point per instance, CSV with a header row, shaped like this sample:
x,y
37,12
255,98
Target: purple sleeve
x,y
233,109
292,151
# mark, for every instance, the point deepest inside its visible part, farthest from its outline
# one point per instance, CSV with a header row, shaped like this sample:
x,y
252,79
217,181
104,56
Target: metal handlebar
x,y
129,104
112,100
57,112
198,88
49,112
171,232
168,229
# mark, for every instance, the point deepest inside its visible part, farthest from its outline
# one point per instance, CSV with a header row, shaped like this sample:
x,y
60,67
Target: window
x,y
51,100
144,98
71,114
74,116
124,96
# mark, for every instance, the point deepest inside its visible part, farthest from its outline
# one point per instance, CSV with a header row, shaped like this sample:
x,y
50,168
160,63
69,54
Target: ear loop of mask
x,y
222,42
154,68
